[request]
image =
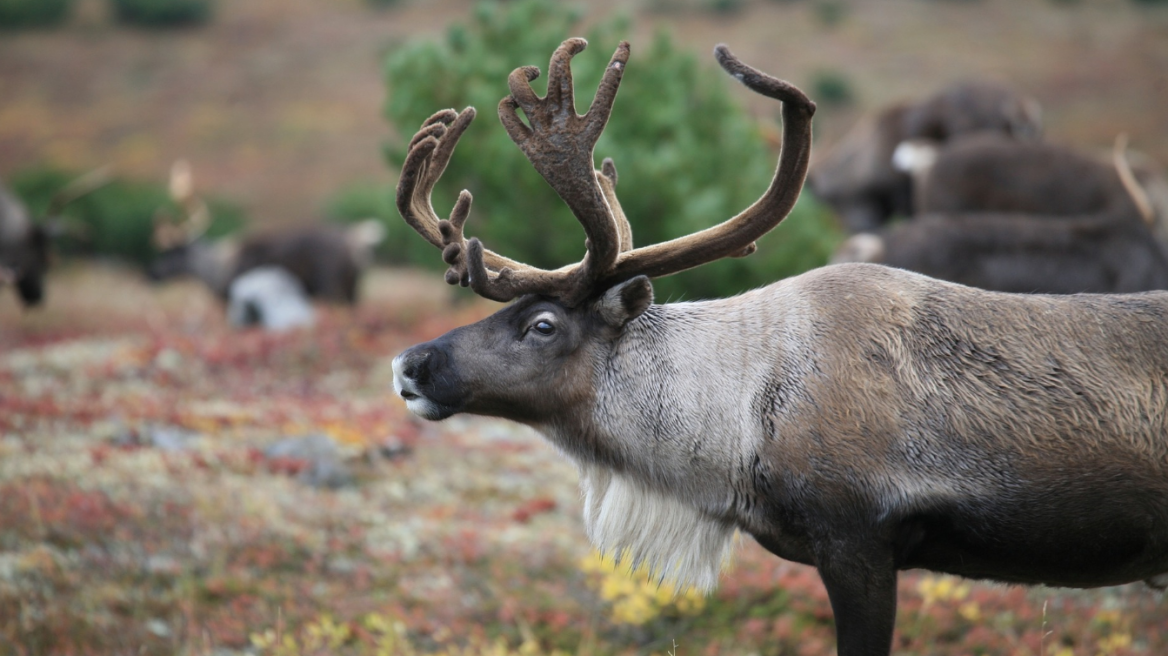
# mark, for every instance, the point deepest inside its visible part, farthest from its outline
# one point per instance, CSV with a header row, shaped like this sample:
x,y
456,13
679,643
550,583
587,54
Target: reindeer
x,y
991,173
857,177
1031,218
326,260
25,243
857,418
1024,253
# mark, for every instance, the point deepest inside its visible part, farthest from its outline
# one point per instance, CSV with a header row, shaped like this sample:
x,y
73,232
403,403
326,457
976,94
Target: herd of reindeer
x,y
987,203
959,186
264,279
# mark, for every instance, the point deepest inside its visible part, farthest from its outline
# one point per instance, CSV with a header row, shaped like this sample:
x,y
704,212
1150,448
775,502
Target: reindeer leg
x,y
860,577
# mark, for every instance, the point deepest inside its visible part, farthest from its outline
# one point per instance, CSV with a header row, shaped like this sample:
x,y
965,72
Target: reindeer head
x,y
25,244
534,360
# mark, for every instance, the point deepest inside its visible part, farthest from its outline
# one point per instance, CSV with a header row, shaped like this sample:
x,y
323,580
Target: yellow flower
x,y
1114,643
942,588
637,596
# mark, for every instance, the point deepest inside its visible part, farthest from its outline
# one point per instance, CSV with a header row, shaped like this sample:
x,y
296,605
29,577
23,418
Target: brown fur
x,y
25,242
989,173
1024,253
24,250
857,177
320,257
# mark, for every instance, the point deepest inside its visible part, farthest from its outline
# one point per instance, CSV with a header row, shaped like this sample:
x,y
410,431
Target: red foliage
x,y
532,507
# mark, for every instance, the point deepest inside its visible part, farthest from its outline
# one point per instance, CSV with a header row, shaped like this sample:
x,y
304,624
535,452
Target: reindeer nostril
x,y
415,368
411,371
408,395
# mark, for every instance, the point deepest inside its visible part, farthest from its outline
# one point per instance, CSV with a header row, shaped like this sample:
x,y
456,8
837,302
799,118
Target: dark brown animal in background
x,y
857,177
25,243
1025,253
326,259
1026,217
857,418
990,173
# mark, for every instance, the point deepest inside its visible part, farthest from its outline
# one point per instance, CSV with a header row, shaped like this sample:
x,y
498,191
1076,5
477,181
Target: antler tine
x,y
559,143
607,177
429,153
196,216
1128,178
736,236
78,187
491,275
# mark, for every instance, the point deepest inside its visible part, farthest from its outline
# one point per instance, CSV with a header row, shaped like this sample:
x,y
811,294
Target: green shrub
x,y
725,7
688,154
16,14
829,13
163,13
832,89
371,201
116,220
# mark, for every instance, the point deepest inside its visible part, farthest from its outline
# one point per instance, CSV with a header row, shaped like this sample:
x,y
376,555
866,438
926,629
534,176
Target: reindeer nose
x,y
414,365
415,368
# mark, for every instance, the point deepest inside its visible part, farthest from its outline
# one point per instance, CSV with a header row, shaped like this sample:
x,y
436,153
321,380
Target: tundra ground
x,y
144,511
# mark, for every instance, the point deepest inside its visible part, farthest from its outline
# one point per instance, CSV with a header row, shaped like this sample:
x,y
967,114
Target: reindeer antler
x,y
196,218
489,274
79,187
559,143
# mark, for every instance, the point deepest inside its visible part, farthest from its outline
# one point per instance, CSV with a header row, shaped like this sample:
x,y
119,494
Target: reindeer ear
x,y
625,302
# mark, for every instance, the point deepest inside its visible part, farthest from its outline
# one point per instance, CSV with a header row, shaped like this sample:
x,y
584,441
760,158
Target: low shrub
x,y
163,13
724,7
114,221
18,14
832,89
829,13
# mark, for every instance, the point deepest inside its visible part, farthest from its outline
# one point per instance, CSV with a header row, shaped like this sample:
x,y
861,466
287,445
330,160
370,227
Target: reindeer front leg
x,y
860,577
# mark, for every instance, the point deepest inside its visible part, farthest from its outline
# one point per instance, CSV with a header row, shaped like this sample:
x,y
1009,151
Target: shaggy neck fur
x,y
666,466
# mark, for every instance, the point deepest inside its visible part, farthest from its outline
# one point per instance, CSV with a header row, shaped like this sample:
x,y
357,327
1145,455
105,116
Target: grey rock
x,y
325,468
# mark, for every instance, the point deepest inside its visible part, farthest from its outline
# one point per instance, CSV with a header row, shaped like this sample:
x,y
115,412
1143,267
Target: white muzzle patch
x,y
403,386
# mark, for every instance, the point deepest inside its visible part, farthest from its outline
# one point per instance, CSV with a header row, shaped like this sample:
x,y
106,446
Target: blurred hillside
x,y
278,103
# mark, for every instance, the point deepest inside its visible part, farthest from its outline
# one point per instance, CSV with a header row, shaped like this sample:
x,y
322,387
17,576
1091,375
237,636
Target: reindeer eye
x,y
544,328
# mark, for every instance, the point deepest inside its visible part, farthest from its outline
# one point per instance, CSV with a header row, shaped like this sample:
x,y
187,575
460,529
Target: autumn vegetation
x,y
144,508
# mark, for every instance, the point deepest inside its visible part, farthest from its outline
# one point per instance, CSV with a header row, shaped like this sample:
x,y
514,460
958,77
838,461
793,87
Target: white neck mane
x,y
664,465
638,525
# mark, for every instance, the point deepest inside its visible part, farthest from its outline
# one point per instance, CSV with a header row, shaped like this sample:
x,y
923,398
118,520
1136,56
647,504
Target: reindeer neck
x,y
675,396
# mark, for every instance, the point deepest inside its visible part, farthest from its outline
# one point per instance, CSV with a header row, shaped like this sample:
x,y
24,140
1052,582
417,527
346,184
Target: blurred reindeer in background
x,y
1027,217
326,260
857,177
990,173
25,243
